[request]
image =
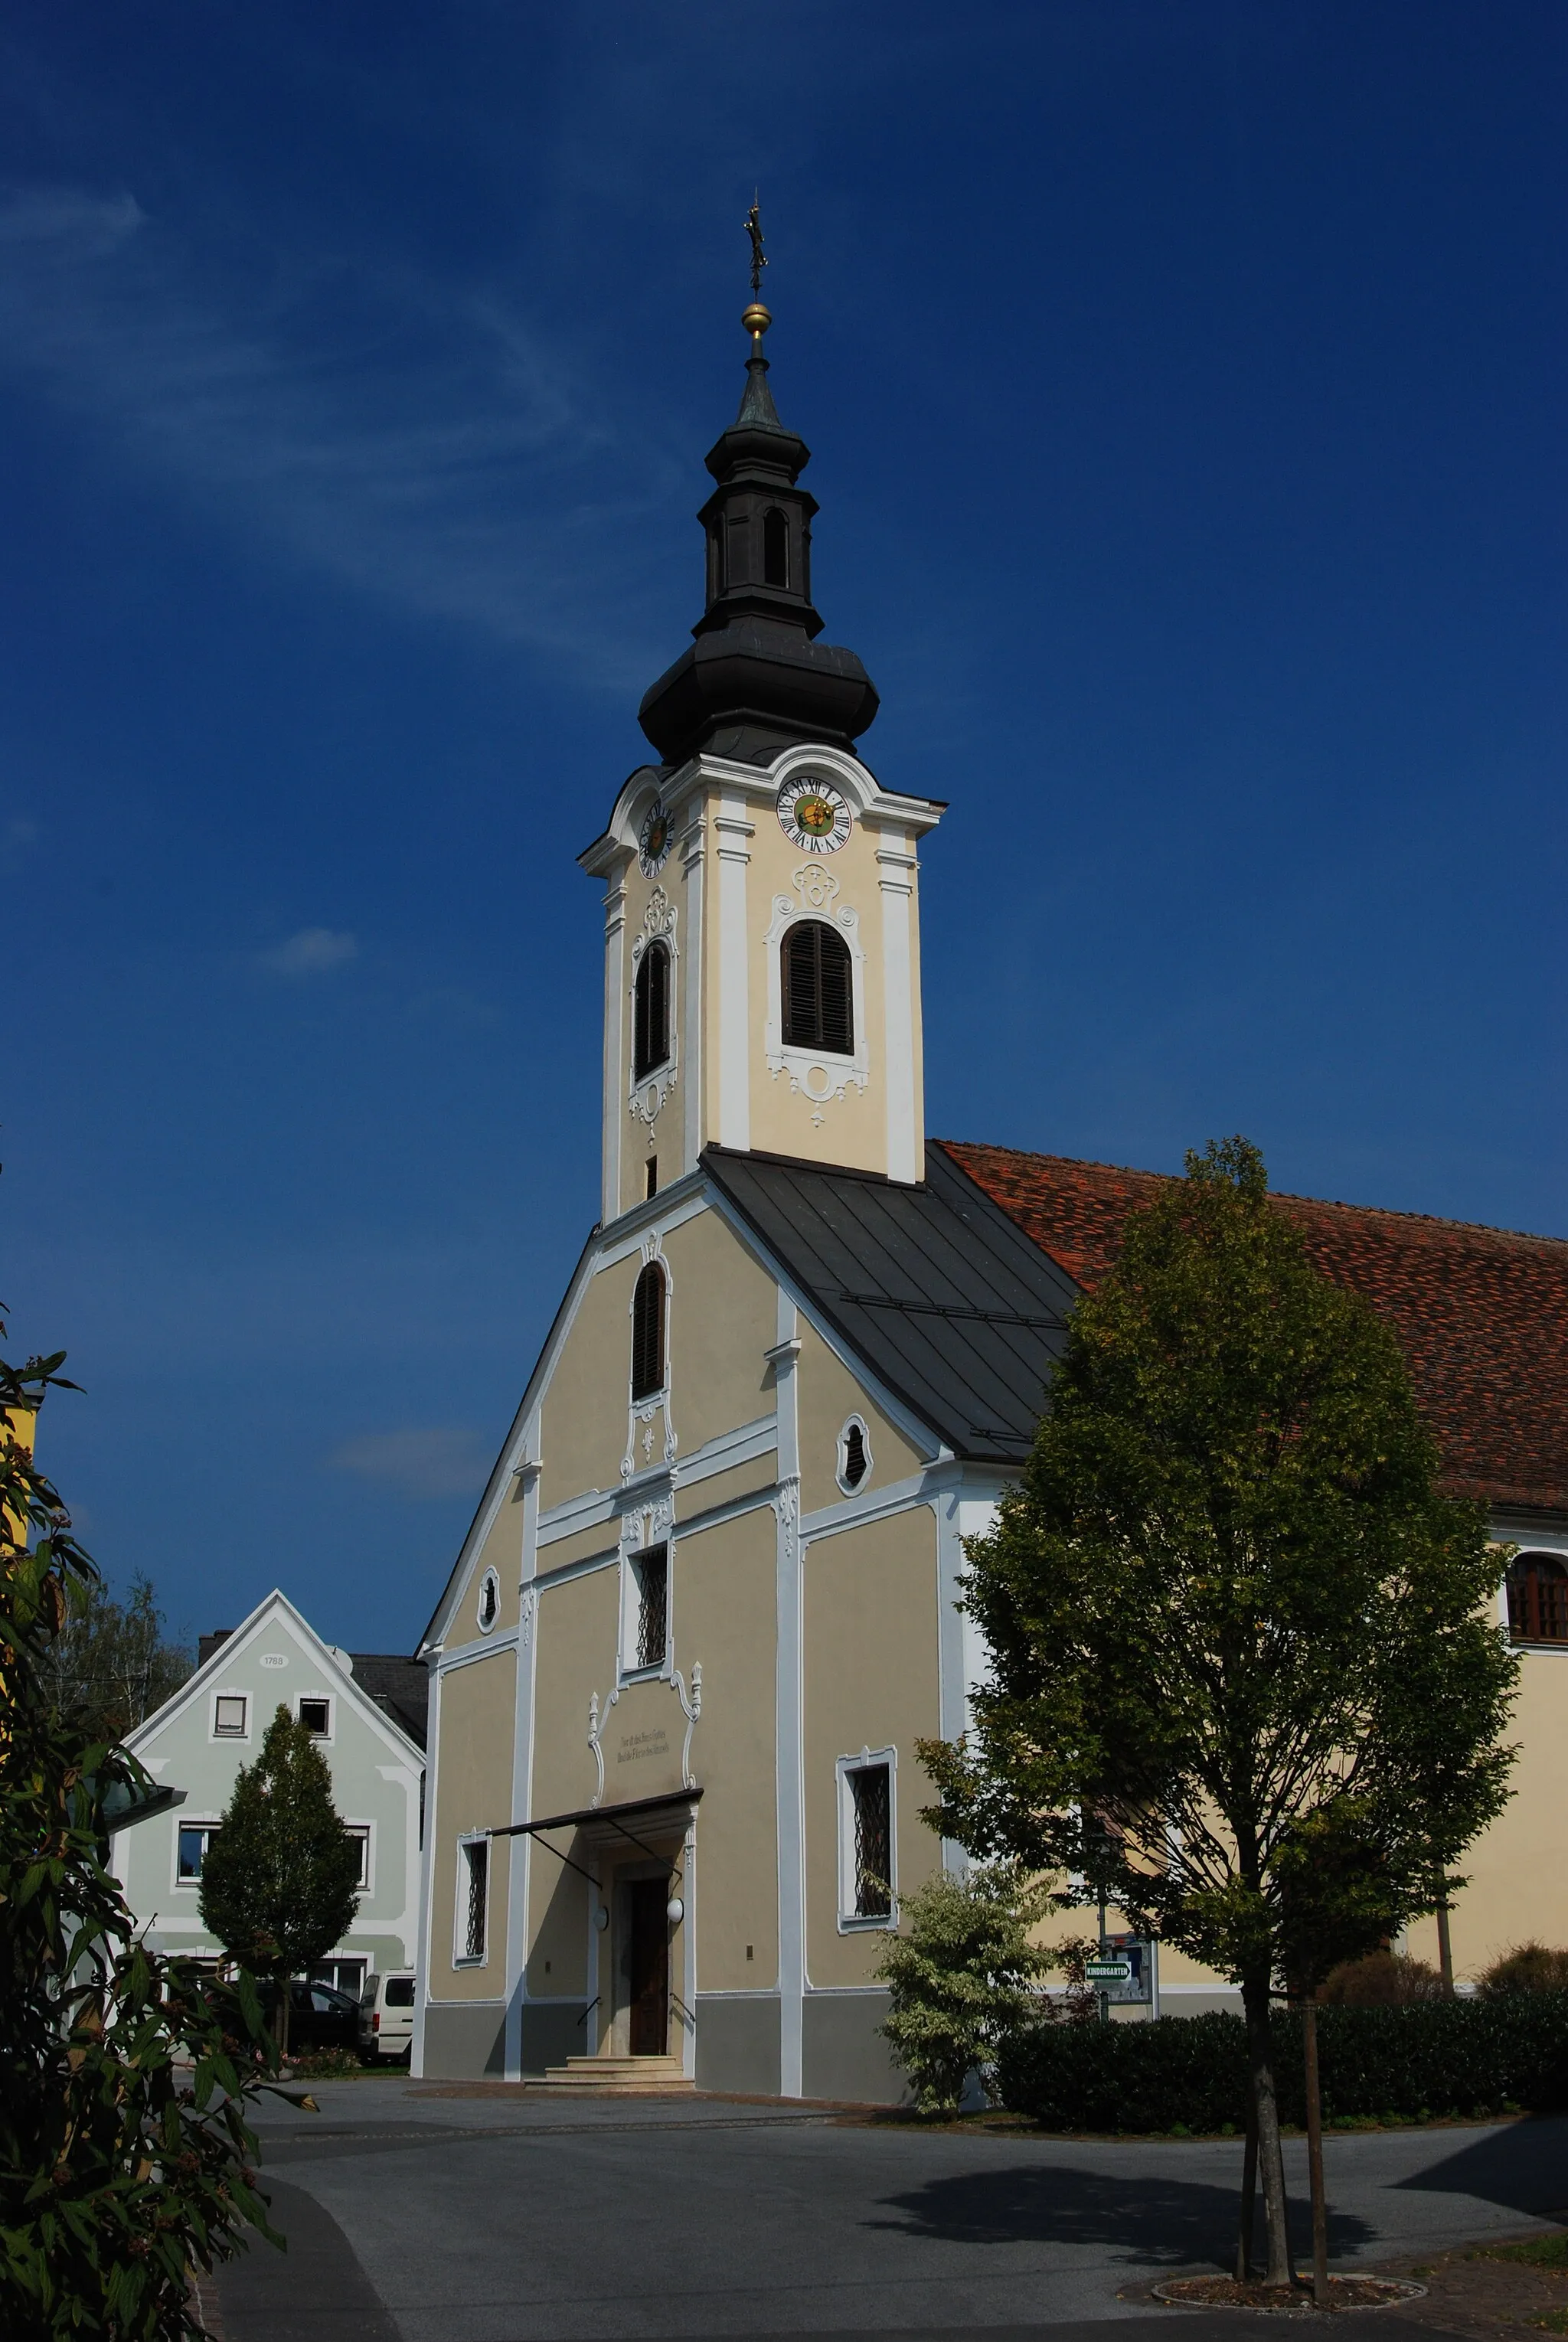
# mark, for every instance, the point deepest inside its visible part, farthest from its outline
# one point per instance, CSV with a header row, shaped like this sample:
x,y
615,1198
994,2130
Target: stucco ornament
x,y
812,1073
646,1098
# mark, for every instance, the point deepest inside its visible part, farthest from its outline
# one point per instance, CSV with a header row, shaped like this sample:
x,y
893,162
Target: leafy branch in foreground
x,y
126,2159
1245,1669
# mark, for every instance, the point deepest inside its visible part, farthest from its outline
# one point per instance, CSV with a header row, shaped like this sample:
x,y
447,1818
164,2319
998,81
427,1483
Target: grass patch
x,y
1537,2252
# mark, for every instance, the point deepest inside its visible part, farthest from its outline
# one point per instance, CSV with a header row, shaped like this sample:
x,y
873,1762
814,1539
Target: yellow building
x,y
707,1606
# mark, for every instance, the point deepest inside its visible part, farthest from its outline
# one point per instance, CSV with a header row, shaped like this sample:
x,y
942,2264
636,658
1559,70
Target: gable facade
x,y
202,1736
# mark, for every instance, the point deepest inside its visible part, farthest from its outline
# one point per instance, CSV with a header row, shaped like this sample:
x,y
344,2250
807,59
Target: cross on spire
x,y
759,257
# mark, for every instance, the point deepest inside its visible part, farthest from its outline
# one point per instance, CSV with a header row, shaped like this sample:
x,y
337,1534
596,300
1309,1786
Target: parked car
x,y
387,2016
319,2016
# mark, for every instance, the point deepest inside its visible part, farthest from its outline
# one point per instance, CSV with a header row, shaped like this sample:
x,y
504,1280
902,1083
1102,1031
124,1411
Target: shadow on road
x,y
1523,2164
1168,2223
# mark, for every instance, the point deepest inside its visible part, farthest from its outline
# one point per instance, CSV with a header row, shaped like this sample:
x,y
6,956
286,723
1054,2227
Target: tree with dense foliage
x,y
961,1977
126,2159
280,1880
1245,1668
114,1663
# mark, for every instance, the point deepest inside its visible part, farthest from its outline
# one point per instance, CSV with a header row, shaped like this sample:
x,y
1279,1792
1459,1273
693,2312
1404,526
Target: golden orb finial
x,y
756,321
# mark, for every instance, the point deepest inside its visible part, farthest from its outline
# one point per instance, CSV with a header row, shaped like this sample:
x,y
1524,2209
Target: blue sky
x,y
1185,391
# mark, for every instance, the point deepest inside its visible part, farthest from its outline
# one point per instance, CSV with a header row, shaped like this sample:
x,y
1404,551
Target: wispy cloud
x,y
423,443
309,952
440,1461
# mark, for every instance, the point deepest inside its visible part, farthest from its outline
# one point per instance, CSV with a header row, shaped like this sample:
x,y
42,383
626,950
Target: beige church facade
x,y
707,1607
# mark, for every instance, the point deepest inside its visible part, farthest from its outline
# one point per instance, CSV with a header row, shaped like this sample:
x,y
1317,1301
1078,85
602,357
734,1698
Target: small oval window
x,y
489,1600
854,1455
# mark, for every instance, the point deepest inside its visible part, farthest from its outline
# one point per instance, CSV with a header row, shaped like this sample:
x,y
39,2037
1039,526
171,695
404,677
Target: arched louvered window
x,y
775,548
651,1010
1538,1599
818,989
853,1471
648,1333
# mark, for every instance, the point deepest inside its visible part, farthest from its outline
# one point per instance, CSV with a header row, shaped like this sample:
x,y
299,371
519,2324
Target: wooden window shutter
x,y
818,989
651,1011
648,1333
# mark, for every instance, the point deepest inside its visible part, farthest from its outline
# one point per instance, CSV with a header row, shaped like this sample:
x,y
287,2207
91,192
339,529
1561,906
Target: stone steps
x,y
618,2076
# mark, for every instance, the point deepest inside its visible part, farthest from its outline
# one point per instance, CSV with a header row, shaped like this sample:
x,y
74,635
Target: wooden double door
x,y
648,1967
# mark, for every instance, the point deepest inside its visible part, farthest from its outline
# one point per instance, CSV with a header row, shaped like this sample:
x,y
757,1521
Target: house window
x,y
818,989
360,1832
343,1975
854,1455
489,1601
1538,1599
775,548
651,1011
230,1716
648,1641
648,1333
867,1840
472,1890
315,1714
194,1839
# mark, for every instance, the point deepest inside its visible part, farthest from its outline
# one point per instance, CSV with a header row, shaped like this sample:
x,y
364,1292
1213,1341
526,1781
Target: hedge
x,y
1488,2055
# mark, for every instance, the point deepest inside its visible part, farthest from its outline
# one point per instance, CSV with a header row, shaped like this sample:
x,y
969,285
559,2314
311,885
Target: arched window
x,y
818,989
648,1333
1538,1599
775,548
651,1011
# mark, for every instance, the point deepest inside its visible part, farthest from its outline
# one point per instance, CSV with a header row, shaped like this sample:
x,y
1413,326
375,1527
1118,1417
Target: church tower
x,y
762,931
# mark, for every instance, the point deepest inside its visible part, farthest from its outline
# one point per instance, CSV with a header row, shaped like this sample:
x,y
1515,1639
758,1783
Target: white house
x,y
367,1711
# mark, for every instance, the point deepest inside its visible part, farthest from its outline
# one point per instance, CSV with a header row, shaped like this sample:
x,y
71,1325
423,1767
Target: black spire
x,y
756,678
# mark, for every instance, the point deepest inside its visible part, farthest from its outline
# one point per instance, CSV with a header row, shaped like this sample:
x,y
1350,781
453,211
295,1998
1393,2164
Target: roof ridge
x,y
1280,1194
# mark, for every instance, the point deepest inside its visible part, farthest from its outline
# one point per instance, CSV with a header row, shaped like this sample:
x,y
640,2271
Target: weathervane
x,y
756,318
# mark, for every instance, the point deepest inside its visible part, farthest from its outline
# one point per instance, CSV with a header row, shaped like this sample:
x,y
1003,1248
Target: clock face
x,y
653,839
811,814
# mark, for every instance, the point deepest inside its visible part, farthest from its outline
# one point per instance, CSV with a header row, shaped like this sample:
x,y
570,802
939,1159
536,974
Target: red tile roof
x,y
1482,1312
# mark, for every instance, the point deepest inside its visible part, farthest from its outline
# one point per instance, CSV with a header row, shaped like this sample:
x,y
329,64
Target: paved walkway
x,y
509,2218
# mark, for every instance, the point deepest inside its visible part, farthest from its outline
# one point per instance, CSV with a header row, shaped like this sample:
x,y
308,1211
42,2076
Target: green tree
x,y
114,1663
125,2158
1243,1663
961,1979
280,1881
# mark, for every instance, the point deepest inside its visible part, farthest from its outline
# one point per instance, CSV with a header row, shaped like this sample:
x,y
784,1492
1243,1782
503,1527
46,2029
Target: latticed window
x,y
648,1332
818,989
652,1572
651,1011
476,1862
870,1790
1538,1599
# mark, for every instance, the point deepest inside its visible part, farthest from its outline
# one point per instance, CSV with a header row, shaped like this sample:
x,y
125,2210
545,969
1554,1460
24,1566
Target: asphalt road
x,y
518,2218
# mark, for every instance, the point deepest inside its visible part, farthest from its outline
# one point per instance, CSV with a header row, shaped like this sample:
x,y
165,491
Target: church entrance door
x,y
650,1976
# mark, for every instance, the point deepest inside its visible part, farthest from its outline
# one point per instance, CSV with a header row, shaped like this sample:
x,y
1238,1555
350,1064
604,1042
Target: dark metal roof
x,y
950,1304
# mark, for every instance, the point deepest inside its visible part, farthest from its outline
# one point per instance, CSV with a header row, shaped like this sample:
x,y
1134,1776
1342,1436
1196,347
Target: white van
x,y
387,2016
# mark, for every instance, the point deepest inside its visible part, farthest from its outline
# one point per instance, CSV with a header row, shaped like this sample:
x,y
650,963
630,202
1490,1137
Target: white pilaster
x,y
731,830
519,1872
432,1822
788,1700
614,988
897,868
694,852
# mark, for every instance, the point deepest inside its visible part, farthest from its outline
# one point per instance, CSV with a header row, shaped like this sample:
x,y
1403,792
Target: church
x,y
707,1606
